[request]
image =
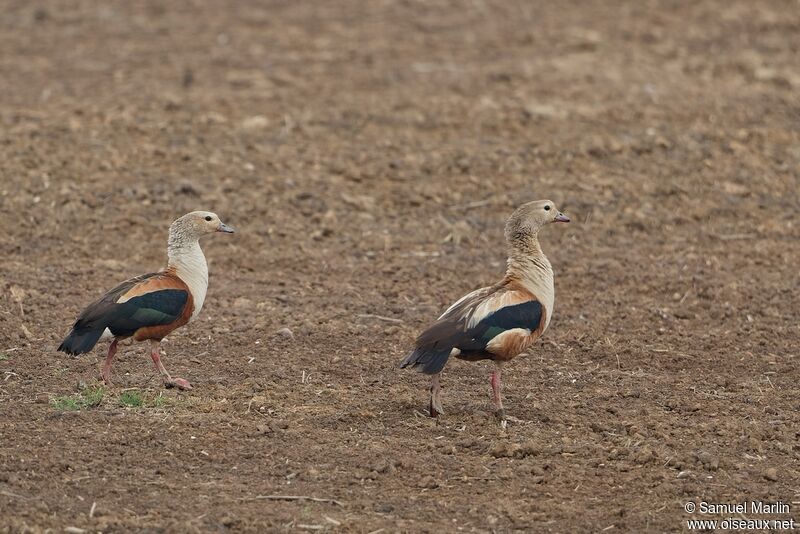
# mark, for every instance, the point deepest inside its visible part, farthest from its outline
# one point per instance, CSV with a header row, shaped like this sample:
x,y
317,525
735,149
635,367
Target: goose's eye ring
x,y
547,208
208,218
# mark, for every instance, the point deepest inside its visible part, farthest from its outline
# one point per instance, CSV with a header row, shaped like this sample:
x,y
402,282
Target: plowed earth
x,y
368,154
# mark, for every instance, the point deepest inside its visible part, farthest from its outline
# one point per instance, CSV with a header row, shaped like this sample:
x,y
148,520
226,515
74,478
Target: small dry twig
x,y
18,294
379,317
734,237
471,205
9,494
291,498
685,295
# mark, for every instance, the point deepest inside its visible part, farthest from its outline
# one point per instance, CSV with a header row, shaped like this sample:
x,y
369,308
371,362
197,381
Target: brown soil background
x,y
369,153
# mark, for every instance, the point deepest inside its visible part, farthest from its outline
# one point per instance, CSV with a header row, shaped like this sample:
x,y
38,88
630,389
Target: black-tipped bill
x,y
225,228
561,218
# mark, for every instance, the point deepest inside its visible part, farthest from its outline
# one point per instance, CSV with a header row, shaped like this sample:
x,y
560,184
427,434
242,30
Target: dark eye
x,y
547,208
208,217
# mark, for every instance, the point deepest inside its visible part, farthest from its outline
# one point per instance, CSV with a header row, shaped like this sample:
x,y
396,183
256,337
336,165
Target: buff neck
x,y
528,265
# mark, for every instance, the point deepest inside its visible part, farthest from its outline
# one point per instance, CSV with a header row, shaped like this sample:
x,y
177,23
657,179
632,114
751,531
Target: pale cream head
x,y
529,218
196,224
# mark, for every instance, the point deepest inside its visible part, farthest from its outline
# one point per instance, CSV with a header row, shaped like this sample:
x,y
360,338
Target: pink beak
x,y
561,218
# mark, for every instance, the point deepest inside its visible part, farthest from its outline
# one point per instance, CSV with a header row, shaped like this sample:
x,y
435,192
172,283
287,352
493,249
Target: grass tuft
x,y
93,396
65,404
160,401
132,399
88,398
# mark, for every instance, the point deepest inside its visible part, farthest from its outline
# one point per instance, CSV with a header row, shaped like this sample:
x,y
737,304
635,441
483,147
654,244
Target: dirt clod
x,y
428,482
285,333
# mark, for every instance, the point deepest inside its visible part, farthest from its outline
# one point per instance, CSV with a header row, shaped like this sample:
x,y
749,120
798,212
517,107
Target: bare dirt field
x,y
368,154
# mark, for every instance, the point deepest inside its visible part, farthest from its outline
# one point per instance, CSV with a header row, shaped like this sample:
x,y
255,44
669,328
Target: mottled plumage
x,y
150,306
497,322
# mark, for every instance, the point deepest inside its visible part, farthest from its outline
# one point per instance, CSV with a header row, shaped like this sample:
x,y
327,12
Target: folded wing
x,y
153,304
497,322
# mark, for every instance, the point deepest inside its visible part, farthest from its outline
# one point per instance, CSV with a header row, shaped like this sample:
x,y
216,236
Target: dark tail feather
x,y
79,342
430,361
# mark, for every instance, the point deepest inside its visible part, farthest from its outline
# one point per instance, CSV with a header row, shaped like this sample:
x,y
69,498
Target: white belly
x,y
198,285
199,298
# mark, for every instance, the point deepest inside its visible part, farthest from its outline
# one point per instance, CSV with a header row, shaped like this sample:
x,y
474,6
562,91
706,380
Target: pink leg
x,y
169,382
436,396
497,386
106,373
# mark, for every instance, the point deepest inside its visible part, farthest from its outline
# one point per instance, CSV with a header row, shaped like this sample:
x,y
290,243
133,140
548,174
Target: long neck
x,y
528,266
526,259
187,258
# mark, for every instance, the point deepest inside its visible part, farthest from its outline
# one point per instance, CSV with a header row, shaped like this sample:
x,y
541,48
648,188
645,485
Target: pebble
x,y
255,122
285,333
384,467
185,187
229,521
242,303
505,450
708,460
